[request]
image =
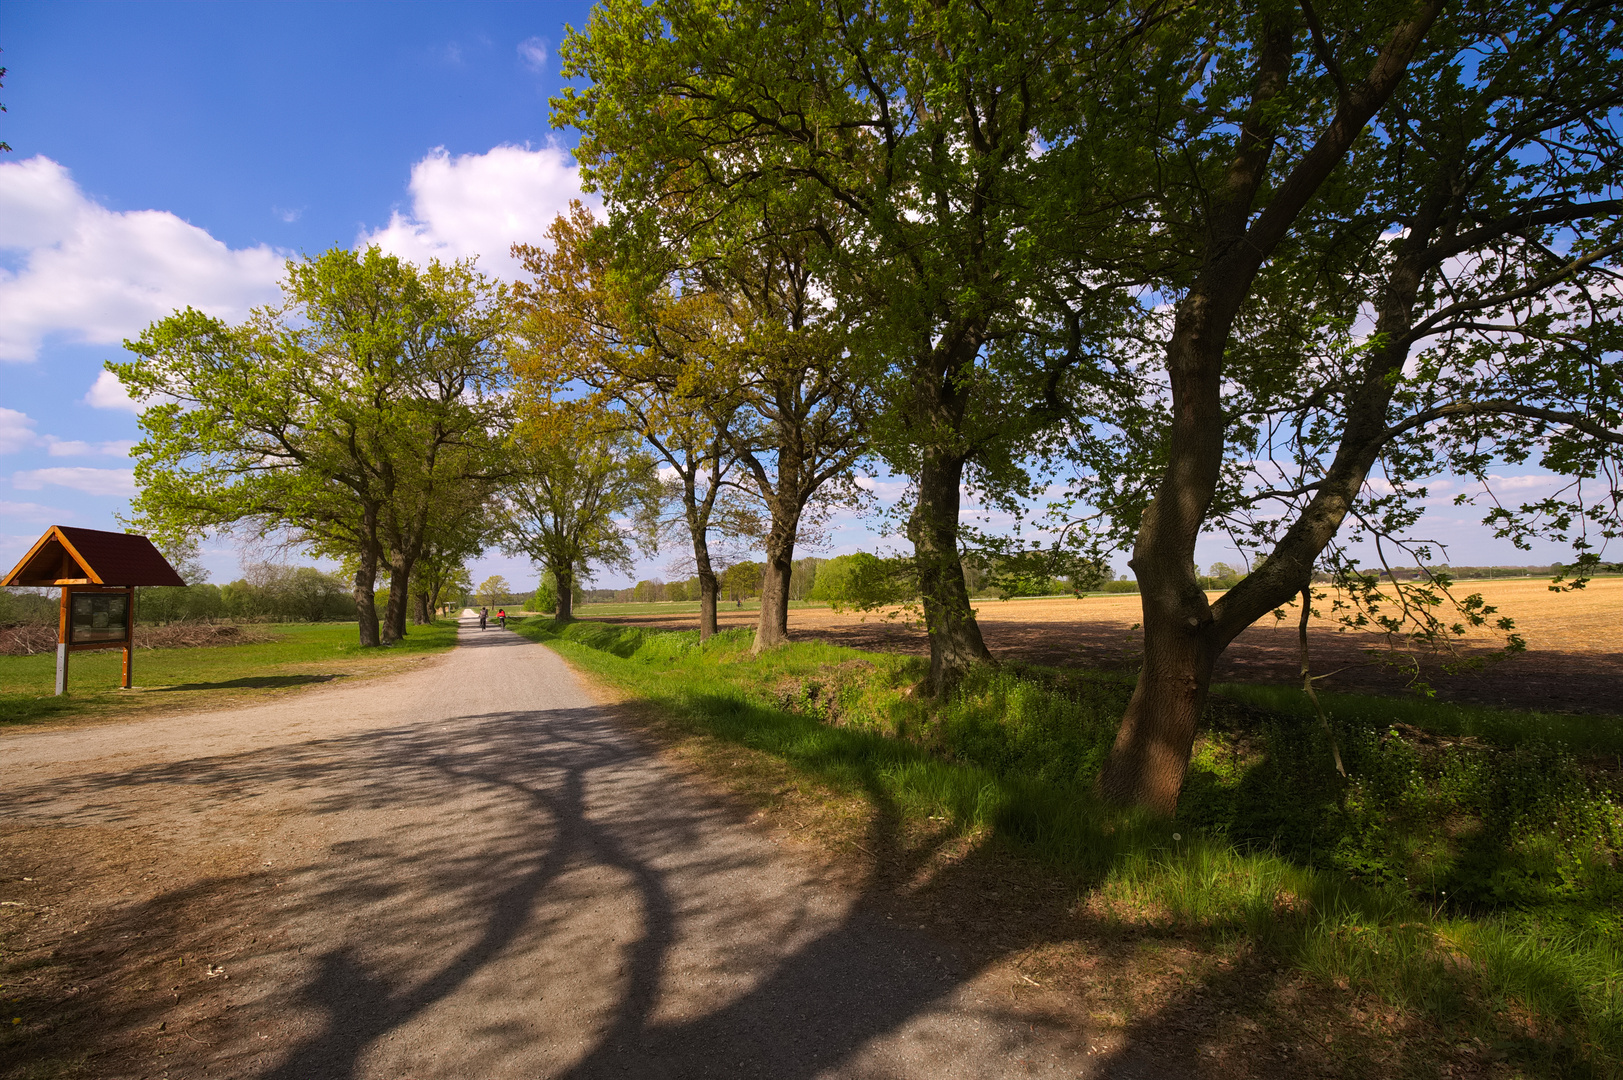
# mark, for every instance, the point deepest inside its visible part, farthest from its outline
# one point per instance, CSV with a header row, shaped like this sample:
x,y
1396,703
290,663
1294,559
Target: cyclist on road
x,y
484,613
501,616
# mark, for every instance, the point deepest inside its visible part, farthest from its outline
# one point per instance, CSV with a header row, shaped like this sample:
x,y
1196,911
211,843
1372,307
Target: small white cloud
x,y
533,51
99,276
108,393
288,216
78,448
1524,483
79,478
16,431
480,204
27,511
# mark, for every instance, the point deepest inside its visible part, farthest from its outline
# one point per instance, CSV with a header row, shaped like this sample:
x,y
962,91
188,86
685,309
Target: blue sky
x,y
174,154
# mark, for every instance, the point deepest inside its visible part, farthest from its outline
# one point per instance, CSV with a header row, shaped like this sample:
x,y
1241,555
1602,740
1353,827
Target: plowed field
x,y
1573,662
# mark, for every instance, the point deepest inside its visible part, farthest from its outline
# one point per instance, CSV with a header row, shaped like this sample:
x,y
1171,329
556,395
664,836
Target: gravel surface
x,y
469,870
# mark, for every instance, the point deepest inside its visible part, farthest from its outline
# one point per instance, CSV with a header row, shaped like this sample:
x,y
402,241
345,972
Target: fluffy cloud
x,y
79,448
533,51
79,478
16,431
108,393
98,276
480,204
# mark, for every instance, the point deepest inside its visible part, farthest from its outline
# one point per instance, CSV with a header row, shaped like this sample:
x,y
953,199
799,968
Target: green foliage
x,y
348,414
864,581
27,607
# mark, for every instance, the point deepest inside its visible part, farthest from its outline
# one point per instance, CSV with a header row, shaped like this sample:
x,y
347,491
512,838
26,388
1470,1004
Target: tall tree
x,y
898,138
1449,182
645,352
338,414
801,424
565,506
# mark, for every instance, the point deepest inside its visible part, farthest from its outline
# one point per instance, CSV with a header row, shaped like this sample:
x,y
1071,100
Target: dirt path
x,y
467,870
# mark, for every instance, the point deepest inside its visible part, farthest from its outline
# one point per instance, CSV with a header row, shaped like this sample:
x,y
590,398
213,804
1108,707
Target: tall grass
x,y
1349,881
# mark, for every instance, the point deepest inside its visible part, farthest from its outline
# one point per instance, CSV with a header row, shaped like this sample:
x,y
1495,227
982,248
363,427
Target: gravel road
x,y
468,870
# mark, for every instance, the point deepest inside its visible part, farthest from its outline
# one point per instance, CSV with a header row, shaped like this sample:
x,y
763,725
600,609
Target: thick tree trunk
x,y
366,609
709,589
1151,754
773,626
394,612
955,636
420,613
565,580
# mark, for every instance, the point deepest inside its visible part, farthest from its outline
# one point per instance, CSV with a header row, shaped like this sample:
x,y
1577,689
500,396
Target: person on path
x,y
484,613
501,617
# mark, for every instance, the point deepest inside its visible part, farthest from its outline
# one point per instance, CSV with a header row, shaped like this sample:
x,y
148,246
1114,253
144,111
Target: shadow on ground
x,y
252,682
549,877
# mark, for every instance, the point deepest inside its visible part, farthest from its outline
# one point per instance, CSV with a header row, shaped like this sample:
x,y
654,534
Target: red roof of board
x,y
70,556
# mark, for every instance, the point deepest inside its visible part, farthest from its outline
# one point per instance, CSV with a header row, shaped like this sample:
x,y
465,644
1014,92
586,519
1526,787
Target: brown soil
x,y
1573,662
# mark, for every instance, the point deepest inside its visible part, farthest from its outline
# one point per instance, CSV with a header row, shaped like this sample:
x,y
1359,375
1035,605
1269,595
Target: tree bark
x,y
394,612
955,636
709,587
420,608
565,580
1182,636
366,577
772,628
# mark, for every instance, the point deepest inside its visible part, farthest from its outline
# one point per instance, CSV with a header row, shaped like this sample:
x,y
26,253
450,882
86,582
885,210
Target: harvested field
x,y
1573,662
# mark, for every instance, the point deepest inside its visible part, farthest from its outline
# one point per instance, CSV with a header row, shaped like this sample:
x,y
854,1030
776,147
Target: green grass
x,y
302,654
1478,887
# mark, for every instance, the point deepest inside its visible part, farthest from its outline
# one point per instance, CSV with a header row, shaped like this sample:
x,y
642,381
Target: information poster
x,y
99,617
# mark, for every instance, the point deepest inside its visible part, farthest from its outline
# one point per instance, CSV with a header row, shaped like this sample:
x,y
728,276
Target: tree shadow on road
x,y
544,815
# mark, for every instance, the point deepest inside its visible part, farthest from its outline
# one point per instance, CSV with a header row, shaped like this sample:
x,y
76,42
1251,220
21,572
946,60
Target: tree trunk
x,y
772,628
955,636
394,612
420,613
1151,754
565,580
366,609
709,592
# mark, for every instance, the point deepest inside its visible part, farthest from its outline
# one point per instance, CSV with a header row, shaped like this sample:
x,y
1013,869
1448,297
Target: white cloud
x,y
108,393
78,448
98,276
480,204
79,478
16,431
533,51
27,511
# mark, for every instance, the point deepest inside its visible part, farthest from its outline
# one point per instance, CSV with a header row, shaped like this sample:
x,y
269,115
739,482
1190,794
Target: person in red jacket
x,y
501,616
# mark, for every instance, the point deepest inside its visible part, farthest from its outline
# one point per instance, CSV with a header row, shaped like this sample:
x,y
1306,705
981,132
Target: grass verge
x,y
168,680
1346,882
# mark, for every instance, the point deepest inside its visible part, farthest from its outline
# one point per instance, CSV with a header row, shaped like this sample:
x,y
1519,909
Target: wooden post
x,y
129,636
62,645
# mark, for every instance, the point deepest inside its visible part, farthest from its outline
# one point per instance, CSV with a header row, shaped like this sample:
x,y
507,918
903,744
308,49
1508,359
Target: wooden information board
x,y
98,573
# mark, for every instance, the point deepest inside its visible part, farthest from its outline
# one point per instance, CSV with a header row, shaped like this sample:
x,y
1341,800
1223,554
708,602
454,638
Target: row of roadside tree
x,y
1166,270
